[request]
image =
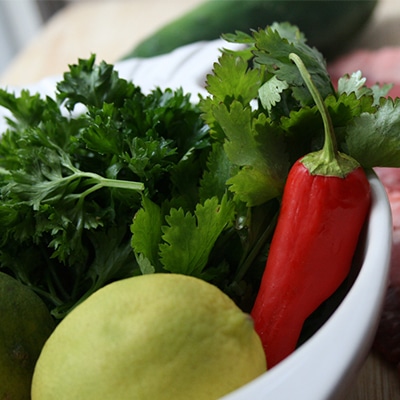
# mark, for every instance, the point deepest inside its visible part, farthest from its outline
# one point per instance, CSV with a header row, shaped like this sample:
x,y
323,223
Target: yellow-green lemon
x,y
25,325
158,336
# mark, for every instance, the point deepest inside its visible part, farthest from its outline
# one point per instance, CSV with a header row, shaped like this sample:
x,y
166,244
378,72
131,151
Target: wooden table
x,y
111,28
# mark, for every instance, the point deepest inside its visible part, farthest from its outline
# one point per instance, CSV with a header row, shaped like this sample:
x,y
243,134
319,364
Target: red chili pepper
x,y
324,207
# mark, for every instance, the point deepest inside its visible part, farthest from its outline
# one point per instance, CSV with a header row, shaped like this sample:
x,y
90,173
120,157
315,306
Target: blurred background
x,y
40,38
20,20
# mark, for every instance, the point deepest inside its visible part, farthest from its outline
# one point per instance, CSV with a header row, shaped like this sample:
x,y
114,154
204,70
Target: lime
x,y
157,336
25,325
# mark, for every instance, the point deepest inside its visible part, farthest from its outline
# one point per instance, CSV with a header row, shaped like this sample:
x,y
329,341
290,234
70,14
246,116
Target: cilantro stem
x,y
252,255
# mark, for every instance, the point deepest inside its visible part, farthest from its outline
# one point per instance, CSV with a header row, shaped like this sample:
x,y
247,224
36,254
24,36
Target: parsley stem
x,y
121,184
101,182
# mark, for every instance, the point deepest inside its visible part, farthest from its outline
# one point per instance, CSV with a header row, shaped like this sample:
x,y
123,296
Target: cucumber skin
x,y
329,25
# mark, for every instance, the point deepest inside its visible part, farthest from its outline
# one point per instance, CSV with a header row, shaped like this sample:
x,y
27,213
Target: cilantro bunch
x,y
104,182
261,119
263,114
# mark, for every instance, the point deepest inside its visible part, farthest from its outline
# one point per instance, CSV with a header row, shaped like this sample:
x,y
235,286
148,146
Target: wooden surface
x,y
111,28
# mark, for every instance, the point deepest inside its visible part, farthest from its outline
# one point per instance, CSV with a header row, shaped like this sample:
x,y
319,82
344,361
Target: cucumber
x,y
329,25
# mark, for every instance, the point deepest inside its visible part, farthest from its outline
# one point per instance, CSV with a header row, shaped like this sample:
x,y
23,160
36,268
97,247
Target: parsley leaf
x,y
92,85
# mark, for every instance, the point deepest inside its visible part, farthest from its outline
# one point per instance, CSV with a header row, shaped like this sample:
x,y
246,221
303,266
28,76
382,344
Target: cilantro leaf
x,y
255,146
146,235
270,92
275,43
304,130
353,83
216,174
189,238
232,78
345,107
373,138
238,37
356,83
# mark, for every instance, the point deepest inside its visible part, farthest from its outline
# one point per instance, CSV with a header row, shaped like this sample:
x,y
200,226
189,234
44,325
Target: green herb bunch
x,y
74,169
104,182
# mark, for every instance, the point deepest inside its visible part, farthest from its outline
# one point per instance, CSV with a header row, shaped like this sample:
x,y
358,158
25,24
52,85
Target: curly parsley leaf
x,y
27,108
92,84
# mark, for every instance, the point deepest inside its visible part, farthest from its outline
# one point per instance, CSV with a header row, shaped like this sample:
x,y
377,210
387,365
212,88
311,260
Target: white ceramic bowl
x,y
327,363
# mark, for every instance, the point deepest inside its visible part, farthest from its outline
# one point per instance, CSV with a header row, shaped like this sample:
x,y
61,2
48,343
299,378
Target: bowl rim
x,y
297,375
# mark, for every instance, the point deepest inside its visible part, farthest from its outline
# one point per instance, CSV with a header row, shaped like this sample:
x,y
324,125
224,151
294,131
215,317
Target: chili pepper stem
x,y
328,161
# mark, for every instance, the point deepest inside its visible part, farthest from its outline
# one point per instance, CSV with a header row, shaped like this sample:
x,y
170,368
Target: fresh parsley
x,y
71,183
